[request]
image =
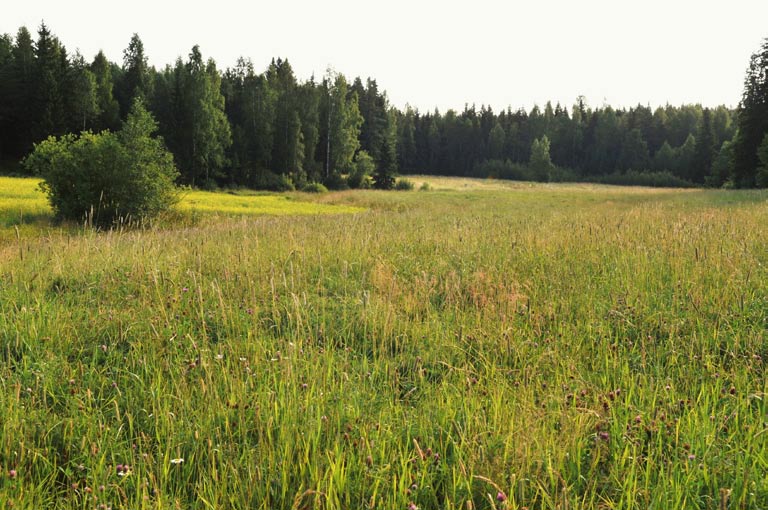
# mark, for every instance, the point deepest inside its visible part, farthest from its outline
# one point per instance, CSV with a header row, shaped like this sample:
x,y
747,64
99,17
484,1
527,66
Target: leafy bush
x,y
404,185
425,186
336,182
364,166
107,177
502,169
314,187
562,174
268,180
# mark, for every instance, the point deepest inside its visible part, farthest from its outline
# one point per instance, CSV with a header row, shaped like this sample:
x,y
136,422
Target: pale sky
x,y
444,54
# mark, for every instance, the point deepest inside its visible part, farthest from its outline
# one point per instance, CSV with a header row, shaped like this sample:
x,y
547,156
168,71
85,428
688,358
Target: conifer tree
x,y
753,118
108,108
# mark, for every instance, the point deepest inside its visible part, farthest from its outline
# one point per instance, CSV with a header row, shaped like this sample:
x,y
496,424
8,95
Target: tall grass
x,y
541,347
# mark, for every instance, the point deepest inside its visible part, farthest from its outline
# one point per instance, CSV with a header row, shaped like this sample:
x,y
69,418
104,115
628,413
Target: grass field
x,y
480,346
23,206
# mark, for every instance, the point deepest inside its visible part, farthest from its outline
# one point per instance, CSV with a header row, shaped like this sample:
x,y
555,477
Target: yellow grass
x,y
274,205
24,209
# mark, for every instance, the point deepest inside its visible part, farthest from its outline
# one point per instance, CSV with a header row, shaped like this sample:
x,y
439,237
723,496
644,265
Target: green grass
x,y
570,346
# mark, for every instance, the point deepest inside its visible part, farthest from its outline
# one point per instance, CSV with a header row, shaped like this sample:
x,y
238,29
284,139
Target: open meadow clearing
x,y
483,345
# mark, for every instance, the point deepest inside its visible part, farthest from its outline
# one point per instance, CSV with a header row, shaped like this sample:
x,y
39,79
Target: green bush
x,y
404,185
336,182
360,176
268,180
314,187
502,169
107,177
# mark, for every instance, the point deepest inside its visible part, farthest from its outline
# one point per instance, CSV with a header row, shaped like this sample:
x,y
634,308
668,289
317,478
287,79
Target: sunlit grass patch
x,y
267,204
21,200
24,209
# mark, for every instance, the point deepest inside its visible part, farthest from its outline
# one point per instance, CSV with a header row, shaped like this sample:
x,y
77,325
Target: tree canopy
x,y
269,129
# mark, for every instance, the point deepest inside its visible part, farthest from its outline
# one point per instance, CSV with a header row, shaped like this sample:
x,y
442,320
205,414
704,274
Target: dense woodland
x,y
242,127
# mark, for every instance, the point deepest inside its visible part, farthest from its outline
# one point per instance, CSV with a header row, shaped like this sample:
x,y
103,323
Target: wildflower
x,y
184,289
412,506
177,461
12,474
103,347
501,497
219,356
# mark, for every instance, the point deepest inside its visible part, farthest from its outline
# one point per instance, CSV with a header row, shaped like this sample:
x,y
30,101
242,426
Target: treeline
x,y
267,129
688,143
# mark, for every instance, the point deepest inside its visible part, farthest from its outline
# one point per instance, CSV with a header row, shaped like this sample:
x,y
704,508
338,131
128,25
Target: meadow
x,y
481,345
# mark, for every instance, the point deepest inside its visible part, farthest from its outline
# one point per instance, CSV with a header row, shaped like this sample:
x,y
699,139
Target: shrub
x,y
502,169
314,187
107,177
268,180
404,185
336,182
425,186
360,176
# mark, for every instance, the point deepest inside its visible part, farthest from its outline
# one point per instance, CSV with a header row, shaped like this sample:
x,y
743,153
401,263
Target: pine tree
x,y
496,139
344,121
665,159
137,75
704,153
386,167
202,132
288,147
753,118
48,80
762,170
109,110
634,152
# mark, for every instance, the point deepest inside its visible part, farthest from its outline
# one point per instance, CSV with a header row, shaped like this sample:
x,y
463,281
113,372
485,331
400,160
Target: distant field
x,y
484,345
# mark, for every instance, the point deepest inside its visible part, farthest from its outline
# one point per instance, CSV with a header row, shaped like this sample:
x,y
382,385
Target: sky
x,y
443,54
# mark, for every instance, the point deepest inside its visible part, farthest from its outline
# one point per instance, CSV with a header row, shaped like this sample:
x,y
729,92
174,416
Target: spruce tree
x,y
108,108
701,167
753,118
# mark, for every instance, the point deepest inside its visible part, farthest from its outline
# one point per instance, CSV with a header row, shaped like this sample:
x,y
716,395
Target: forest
x,y
270,130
